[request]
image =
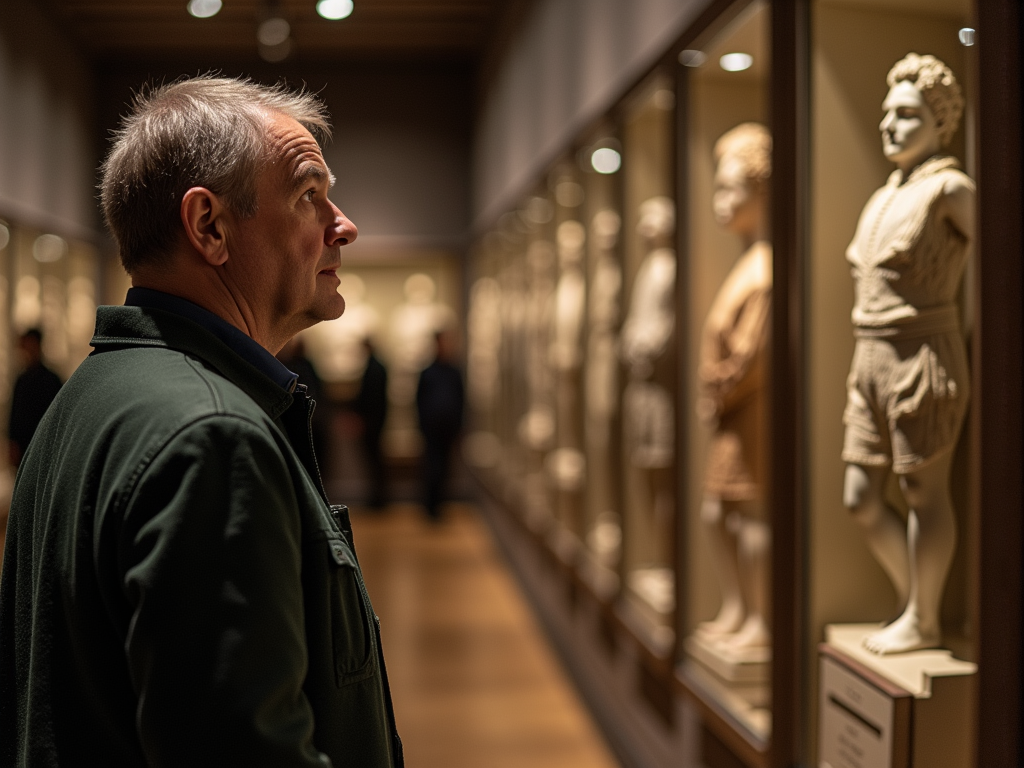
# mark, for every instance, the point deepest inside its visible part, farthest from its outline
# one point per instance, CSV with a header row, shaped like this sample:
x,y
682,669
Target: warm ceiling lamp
x,y
335,9
606,160
204,9
736,62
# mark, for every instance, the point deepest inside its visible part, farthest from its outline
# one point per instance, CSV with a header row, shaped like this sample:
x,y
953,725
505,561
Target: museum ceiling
x,y
376,29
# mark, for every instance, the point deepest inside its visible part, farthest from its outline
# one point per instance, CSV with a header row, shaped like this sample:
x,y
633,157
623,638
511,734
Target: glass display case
x,y
889,334
728,279
565,463
647,351
753,317
602,555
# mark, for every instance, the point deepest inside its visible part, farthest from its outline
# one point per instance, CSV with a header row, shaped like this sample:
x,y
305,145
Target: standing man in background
x,y
34,390
439,401
372,406
176,588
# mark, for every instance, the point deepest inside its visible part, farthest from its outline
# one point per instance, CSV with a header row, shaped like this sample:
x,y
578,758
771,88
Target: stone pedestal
x,y
907,710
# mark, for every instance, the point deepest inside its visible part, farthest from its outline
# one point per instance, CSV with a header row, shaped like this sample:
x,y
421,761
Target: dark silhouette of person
x,y
293,355
34,390
371,405
440,398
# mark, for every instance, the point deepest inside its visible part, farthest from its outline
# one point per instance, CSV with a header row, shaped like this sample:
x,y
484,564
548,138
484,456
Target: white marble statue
x,y
483,328
908,383
648,412
537,425
601,384
733,394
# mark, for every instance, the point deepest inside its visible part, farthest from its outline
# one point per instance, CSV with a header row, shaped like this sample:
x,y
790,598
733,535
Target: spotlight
x,y
606,160
692,58
736,62
273,32
335,9
204,9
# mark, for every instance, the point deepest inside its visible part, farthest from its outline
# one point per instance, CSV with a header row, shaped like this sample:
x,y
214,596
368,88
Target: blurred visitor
x,y
371,405
439,403
33,392
293,355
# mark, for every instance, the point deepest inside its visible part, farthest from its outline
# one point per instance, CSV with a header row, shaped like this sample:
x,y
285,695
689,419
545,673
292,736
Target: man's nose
x,y
341,231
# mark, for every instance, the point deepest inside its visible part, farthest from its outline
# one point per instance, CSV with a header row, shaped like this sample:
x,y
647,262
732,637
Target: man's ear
x,y
202,215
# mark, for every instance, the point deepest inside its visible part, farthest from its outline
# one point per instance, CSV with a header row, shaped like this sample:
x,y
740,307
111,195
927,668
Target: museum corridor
x,y
474,680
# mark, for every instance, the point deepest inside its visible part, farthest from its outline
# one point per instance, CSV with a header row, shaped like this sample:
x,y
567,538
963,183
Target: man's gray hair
x,y
204,131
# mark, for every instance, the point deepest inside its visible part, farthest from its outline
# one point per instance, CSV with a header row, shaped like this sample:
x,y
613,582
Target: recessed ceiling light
x,y
736,62
204,9
967,36
692,58
606,160
335,9
273,32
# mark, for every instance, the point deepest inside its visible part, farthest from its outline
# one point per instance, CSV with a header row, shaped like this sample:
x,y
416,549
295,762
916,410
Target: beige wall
x,y
47,157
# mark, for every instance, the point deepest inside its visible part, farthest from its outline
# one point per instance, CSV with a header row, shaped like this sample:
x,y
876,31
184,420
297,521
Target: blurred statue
x,y
648,412
537,426
601,383
908,383
732,402
483,324
566,464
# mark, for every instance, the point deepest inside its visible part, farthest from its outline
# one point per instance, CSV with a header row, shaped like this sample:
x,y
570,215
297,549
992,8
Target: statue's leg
x,y
725,557
754,558
886,532
931,540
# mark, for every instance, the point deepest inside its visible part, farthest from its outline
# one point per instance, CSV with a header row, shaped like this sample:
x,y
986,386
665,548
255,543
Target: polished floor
x,y
474,681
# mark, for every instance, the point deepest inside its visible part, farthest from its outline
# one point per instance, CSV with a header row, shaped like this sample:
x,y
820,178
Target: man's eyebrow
x,y
312,171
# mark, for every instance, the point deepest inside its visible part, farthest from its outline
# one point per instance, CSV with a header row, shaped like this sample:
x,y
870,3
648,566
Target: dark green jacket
x,y
176,590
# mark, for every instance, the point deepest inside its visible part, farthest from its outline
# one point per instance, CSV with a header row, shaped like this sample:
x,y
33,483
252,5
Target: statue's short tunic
x,y
908,385
732,377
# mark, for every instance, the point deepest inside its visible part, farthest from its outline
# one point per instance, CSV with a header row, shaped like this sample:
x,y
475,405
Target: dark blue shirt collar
x,y
242,345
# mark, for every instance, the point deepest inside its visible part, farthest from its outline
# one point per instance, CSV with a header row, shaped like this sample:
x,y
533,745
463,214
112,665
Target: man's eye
x,y
906,112
308,195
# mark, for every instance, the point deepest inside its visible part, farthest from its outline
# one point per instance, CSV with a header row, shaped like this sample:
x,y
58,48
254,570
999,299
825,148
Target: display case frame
x,y
656,680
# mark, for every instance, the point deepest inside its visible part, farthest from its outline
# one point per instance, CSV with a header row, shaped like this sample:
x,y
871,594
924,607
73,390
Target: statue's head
x,y
657,218
743,158
922,109
570,236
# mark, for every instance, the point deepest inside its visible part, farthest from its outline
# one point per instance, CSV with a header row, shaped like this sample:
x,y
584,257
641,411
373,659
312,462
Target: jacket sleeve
x,y
211,560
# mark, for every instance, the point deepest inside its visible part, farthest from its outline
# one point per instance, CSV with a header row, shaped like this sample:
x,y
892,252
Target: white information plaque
x,y
857,722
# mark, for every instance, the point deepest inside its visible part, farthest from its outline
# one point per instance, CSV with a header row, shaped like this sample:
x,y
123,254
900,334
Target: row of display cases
x,y
729,369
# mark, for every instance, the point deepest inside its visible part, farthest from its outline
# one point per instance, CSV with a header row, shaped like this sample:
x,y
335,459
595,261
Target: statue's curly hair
x,y
937,85
751,144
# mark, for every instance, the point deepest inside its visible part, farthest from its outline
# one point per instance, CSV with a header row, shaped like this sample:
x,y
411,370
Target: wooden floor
x,y
474,682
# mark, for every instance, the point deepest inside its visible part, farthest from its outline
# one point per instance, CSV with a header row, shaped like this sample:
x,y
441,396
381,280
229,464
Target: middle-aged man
x,y
177,591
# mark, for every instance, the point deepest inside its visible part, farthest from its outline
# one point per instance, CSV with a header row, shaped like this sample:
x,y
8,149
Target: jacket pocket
x,y
351,618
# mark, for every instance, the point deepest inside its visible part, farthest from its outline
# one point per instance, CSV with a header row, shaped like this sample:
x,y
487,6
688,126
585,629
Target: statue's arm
x,y
958,206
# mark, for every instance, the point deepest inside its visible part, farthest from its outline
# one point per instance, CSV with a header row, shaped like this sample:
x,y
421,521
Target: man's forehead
x,y
293,144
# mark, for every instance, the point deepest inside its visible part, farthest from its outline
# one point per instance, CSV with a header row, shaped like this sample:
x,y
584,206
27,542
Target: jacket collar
x,y
120,327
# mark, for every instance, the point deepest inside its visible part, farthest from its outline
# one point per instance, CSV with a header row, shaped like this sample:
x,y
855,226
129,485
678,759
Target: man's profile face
x,y
288,253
